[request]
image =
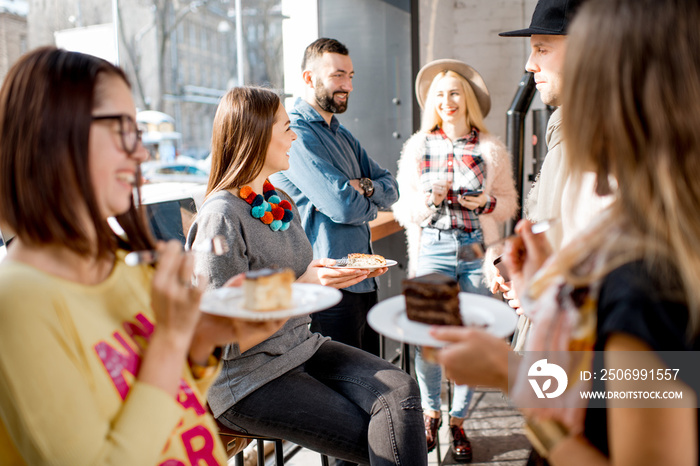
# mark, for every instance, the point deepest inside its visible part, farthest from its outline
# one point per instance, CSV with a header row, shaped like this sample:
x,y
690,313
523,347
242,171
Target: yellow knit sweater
x,y
69,354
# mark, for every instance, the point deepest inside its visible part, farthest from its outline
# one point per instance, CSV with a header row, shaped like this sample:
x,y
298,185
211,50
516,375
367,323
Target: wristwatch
x,y
368,186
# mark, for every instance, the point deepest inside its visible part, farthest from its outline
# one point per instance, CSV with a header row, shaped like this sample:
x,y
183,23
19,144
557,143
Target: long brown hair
x,y
241,136
46,104
631,114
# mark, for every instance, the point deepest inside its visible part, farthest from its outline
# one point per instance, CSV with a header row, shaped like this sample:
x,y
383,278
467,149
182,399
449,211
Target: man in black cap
x,y
547,34
553,196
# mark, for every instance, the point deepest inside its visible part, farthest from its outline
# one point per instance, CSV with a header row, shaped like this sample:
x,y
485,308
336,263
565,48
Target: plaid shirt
x,y
460,162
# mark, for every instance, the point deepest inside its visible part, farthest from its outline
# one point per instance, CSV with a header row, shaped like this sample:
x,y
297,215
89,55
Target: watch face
x,y
367,185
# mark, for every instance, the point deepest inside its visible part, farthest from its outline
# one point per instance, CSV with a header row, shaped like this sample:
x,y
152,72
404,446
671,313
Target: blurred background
x,y
182,56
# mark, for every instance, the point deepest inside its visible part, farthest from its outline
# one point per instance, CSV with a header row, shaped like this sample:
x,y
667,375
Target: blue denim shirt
x,y
334,215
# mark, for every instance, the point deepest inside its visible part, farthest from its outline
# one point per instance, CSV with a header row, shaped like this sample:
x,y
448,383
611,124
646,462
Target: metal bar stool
x,y
235,441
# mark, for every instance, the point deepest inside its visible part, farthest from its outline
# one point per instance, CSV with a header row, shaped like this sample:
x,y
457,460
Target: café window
x,y
182,57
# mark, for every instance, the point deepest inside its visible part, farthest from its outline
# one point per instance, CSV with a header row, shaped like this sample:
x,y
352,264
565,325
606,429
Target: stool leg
x,y
449,396
279,453
405,357
261,452
324,460
437,446
238,459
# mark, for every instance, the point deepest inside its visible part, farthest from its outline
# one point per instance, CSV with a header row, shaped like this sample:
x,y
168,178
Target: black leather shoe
x,y
431,430
461,447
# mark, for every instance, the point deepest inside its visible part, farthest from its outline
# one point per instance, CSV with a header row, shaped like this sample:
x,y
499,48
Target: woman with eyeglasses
x,y
100,363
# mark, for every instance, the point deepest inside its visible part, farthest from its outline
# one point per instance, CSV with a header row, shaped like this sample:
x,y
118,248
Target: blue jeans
x,y
444,251
343,402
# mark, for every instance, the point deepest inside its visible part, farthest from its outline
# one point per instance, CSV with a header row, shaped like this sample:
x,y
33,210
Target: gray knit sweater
x,y
252,245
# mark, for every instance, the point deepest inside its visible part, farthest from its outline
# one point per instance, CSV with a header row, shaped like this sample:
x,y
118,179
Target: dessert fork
x,y
342,262
537,228
216,245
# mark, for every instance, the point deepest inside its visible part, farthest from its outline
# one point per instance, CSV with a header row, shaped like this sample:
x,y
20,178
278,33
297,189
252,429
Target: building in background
x,y
13,33
159,136
181,56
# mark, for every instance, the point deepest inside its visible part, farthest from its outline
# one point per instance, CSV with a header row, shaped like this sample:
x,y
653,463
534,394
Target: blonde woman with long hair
x,y
629,285
456,187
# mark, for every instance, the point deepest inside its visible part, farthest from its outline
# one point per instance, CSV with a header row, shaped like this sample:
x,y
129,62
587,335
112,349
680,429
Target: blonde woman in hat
x,y
456,186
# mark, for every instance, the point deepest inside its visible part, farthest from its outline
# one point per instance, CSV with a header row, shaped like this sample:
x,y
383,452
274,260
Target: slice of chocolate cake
x,y
432,299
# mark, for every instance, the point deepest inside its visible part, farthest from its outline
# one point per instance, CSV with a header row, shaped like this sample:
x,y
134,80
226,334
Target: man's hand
x,y
502,286
317,272
377,272
512,298
356,184
525,254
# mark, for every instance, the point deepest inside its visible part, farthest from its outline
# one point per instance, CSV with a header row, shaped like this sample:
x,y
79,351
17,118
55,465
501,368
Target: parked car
x,y
3,248
158,172
171,207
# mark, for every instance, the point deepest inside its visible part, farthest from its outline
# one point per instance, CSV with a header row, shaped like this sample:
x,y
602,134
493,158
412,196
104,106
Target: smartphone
x,y
502,269
468,192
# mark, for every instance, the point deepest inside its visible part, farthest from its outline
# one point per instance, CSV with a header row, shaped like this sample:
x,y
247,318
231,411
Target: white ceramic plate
x,y
389,318
389,263
307,298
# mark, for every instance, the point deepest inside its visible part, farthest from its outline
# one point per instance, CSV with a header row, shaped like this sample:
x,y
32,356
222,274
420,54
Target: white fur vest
x,y
411,208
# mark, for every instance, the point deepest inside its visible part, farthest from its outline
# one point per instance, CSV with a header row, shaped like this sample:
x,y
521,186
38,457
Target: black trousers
x,y
346,322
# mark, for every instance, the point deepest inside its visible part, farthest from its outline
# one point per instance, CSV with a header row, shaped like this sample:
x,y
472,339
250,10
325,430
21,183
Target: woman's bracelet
x,y
429,203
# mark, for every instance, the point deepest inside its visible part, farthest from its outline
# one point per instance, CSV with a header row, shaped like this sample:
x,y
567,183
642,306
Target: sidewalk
x,y
494,428
495,431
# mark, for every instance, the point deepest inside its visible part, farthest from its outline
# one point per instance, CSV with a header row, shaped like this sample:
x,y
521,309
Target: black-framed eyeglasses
x,y
128,130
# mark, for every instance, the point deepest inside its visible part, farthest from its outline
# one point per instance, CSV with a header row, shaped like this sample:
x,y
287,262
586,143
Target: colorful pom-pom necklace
x,y
270,209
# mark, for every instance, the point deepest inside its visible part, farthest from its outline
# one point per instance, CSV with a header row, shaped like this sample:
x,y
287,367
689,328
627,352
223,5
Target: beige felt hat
x,y
428,72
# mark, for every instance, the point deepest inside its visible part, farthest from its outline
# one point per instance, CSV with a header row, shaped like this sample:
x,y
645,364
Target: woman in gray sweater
x,y
295,385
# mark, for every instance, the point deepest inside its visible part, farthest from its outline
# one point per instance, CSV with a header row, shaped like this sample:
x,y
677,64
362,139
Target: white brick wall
x,y
468,30
13,40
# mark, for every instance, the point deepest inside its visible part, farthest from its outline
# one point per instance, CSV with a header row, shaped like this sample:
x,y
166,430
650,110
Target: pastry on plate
x,y
366,260
268,289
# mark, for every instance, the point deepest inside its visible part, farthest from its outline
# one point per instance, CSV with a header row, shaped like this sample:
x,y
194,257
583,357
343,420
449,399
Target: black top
x,y
644,305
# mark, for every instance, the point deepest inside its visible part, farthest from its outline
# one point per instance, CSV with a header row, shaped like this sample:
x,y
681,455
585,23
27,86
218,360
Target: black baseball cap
x,y
551,17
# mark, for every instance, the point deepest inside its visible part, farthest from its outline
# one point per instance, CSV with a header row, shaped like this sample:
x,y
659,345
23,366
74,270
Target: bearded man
x,y
337,187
